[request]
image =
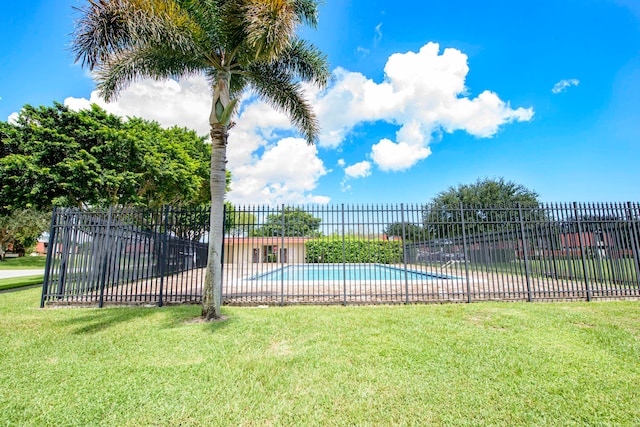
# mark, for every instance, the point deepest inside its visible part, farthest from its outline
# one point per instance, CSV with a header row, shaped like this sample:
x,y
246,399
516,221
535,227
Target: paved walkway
x,y
6,274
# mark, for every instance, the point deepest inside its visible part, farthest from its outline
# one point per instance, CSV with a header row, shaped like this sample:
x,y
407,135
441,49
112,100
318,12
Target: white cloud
x,y
362,50
170,103
423,93
358,170
13,118
378,37
355,171
392,156
562,85
286,173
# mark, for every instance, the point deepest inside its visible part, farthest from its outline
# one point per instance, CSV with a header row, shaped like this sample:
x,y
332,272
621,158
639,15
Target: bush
x,y
329,250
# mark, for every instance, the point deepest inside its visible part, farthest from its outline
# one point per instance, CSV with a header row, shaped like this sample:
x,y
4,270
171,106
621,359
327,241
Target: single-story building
x,y
264,249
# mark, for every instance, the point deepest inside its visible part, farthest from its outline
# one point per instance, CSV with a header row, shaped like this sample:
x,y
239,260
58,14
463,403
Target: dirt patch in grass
x,y
201,319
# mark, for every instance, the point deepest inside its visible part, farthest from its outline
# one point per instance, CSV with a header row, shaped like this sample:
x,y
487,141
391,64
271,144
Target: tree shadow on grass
x,y
96,320
99,319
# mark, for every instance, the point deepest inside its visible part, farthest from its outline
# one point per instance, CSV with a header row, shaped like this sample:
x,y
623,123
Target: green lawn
x,y
479,364
18,282
23,263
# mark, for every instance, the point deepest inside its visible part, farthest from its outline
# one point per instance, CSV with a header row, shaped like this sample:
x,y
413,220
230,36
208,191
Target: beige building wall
x,y
253,250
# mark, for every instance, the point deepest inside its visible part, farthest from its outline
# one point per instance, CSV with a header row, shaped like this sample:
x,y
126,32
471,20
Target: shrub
x,y
329,250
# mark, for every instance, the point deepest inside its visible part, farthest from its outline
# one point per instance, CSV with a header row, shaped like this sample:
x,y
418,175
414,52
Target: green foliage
x,y
330,250
472,203
238,223
21,229
487,192
55,156
293,222
407,231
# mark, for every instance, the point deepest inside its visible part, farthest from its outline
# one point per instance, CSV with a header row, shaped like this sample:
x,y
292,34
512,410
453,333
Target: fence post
x,y
280,255
105,259
582,249
404,255
222,254
525,249
344,263
165,255
634,242
466,256
47,267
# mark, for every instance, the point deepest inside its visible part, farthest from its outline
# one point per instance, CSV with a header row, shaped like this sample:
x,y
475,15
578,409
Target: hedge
x,y
329,250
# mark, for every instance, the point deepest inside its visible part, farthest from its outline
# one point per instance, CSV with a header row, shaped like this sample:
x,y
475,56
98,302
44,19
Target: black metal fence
x,y
126,256
348,254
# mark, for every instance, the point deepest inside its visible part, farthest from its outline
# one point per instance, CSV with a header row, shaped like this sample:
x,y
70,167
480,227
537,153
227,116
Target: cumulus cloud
x,y
563,85
169,102
355,171
13,118
392,156
358,170
423,93
286,172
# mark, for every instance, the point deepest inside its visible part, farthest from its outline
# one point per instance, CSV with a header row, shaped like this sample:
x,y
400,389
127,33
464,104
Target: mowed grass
x,y
19,282
23,263
455,365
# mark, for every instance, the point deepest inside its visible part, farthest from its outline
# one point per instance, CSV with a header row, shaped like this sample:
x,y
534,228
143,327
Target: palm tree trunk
x,y
212,291
211,294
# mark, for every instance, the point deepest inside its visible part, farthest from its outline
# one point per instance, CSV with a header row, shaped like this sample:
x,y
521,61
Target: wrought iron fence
x,y
348,254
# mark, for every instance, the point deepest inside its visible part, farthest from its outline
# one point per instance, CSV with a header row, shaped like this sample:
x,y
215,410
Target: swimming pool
x,y
334,272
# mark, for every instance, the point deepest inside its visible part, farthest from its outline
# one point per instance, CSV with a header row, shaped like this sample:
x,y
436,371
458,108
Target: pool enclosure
x,y
347,254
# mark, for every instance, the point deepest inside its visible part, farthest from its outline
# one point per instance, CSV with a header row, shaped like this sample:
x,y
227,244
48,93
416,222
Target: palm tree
x,y
237,44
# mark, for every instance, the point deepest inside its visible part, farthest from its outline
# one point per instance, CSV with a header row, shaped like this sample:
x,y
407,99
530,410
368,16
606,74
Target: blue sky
x,y
426,95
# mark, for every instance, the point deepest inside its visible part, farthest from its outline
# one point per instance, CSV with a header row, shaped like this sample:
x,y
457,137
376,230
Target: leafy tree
x,y
292,222
483,206
407,231
55,156
239,223
21,229
237,44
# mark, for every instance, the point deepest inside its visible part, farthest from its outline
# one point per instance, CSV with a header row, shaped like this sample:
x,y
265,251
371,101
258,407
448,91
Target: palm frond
x,y
208,17
110,27
306,62
101,30
270,26
307,11
158,62
277,88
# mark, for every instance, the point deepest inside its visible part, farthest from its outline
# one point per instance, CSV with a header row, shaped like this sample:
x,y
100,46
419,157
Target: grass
x,y
23,263
497,364
19,282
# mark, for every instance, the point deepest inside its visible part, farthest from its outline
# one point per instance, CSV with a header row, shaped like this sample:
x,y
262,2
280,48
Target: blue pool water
x,y
331,272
